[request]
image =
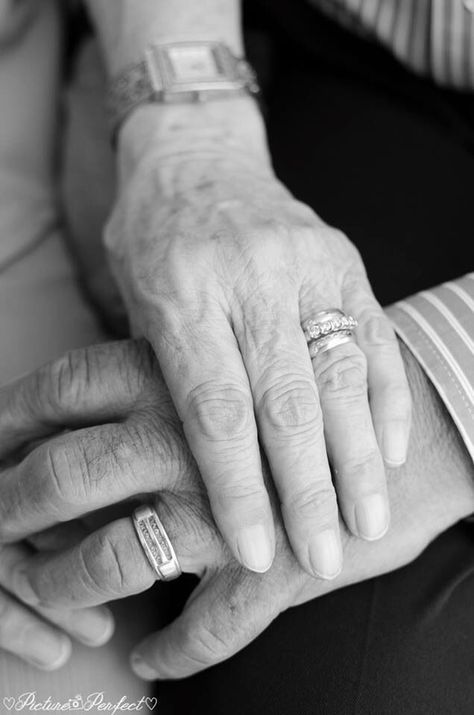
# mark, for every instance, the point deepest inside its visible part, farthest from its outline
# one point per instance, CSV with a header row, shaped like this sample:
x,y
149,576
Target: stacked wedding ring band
x,y
328,329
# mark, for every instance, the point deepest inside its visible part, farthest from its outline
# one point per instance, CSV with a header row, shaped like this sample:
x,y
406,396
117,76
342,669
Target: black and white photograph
x,y
237,357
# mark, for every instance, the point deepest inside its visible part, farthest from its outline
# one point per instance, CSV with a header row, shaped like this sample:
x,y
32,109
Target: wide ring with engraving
x,y
156,543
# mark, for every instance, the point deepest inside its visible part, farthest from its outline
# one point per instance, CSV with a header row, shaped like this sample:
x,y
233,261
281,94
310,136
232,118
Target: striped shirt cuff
x,y
438,327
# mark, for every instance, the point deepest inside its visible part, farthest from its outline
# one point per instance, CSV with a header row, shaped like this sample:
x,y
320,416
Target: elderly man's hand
x,y
138,448
41,635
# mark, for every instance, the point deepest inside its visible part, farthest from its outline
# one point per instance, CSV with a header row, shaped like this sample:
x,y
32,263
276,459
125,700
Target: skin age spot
x,y
204,185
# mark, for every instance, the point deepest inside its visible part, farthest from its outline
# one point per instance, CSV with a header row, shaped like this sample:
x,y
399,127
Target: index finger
x,y
209,385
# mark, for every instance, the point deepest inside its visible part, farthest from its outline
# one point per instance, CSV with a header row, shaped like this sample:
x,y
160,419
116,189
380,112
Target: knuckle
x,y
377,331
67,379
140,362
353,262
362,468
61,484
343,374
130,362
206,645
242,494
221,413
76,471
159,455
312,502
291,406
273,234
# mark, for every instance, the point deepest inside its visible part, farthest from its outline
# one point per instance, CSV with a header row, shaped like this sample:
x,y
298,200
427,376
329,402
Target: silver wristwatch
x,y
179,72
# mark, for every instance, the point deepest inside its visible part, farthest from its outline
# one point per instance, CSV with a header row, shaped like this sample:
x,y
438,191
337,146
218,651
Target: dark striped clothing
x,y
432,37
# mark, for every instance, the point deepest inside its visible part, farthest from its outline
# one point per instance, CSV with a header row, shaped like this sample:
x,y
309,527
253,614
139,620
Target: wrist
x,y
231,128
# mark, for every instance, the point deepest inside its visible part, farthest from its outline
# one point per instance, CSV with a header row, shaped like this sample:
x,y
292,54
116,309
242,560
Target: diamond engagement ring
x,y
155,543
328,329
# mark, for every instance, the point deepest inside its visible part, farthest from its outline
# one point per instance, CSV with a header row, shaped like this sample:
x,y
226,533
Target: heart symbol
x,y
10,703
151,703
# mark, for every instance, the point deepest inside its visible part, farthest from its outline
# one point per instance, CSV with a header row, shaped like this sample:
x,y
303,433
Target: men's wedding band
x,y
155,543
328,329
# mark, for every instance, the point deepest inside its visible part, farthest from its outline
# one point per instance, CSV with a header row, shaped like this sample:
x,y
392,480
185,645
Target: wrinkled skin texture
x,y
218,274
126,440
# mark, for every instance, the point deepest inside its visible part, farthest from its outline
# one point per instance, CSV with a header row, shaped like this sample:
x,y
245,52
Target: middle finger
x,y
82,471
291,427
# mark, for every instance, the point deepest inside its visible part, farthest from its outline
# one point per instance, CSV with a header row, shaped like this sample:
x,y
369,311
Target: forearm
x,y
127,27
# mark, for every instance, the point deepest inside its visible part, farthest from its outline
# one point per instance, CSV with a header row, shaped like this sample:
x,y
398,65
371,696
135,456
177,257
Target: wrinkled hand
x,y
138,448
40,635
219,265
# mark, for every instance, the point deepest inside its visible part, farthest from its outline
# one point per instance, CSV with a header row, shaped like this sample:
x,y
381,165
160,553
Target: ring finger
x,y
111,563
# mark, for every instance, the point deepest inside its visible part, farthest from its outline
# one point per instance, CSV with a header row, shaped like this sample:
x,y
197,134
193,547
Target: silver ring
x,y
328,329
155,543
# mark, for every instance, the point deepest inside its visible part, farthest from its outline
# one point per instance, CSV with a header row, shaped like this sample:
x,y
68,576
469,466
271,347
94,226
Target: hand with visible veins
x,y
125,440
218,265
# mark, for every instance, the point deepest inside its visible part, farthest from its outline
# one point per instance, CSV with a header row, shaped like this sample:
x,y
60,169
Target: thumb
x,y
225,613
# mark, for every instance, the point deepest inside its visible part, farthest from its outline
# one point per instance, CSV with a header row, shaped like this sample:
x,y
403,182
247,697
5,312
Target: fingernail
x,y
372,517
255,548
325,554
50,652
141,669
395,443
96,628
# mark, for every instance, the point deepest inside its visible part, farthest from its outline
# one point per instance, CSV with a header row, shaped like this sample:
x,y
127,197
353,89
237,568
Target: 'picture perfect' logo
x,y
93,703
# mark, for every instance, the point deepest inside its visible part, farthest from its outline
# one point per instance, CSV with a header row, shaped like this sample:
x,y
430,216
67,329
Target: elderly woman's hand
x,y
220,265
138,448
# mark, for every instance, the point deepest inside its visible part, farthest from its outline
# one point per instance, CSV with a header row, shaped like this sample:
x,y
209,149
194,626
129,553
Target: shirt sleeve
x,y
438,327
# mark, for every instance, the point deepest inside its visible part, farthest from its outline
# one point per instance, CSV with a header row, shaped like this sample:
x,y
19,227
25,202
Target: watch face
x,y
193,63
192,67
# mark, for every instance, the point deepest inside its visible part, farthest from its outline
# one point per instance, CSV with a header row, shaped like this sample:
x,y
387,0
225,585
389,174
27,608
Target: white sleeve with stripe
x,y
438,327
